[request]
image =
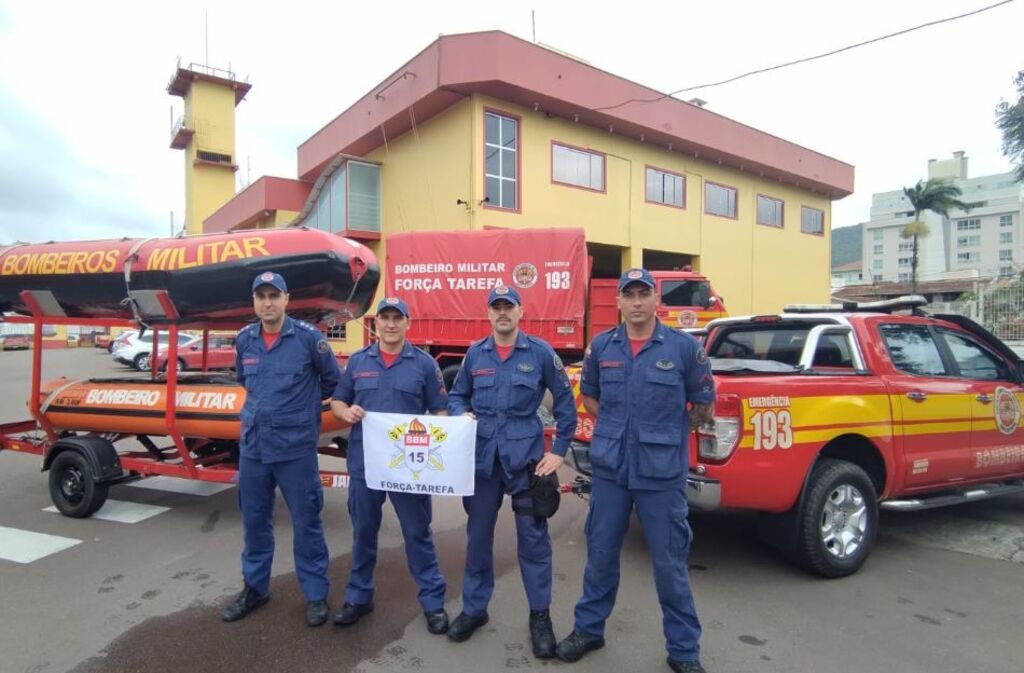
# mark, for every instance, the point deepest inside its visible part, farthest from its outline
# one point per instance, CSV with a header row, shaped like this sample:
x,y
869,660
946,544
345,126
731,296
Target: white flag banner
x,y
432,455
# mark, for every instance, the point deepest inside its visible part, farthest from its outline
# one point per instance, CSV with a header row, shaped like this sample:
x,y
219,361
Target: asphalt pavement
x,y
141,589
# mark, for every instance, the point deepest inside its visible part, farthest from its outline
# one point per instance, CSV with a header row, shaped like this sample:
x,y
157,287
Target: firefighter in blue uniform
x,y
288,369
502,382
637,380
391,376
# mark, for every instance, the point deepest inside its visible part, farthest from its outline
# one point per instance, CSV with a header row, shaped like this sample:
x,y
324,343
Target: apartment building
x,y
986,241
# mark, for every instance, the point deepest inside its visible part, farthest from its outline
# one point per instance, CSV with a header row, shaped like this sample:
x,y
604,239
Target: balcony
x,y
181,133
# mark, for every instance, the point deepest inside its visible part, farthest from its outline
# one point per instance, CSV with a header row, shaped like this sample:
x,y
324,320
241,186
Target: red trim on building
x,y
667,172
587,150
519,161
256,201
505,67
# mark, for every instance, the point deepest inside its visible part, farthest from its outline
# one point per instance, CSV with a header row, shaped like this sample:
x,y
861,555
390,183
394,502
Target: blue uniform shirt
x,y
285,388
505,397
641,439
411,385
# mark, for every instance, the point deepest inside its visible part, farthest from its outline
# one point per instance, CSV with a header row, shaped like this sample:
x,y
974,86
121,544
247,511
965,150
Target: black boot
x,y
351,612
463,626
576,645
316,613
685,666
246,601
542,635
437,621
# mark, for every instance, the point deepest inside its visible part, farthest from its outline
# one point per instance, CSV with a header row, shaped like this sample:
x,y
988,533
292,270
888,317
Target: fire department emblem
x,y
1007,410
687,319
417,447
391,301
635,274
267,276
524,275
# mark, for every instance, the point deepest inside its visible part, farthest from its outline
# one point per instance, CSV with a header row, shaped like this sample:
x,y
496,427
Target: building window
x,y
812,220
577,167
1006,220
968,257
876,278
968,225
878,249
876,235
904,261
1006,255
349,200
501,161
904,277
336,331
769,211
968,241
1006,271
1006,237
877,265
906,246
666,188
719,200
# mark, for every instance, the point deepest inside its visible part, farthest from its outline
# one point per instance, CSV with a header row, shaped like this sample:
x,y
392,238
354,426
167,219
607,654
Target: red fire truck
x,y
445,277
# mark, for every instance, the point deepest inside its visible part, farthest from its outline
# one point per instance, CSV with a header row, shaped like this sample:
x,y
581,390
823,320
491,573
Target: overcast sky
x,y
85,117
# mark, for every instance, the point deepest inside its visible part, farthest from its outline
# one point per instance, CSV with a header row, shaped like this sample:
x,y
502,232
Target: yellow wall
x,y
754,267
210,111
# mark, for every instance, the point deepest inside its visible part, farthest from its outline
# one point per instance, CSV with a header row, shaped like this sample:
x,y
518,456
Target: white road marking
x,y
25,546
123,512
186,486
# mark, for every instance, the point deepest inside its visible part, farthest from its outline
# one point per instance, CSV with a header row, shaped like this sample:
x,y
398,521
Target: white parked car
x,y
135,352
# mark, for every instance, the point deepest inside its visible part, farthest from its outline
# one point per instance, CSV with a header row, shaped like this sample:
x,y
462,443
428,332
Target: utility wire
x,y
807,59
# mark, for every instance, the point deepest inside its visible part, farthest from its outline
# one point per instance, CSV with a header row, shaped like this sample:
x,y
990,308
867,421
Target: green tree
x,y
937,195
1010,122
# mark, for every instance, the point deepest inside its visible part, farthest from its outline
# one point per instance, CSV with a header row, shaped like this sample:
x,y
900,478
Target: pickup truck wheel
x,y
72,487
837,524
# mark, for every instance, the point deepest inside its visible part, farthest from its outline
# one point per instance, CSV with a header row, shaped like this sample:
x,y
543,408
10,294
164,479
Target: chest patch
x,y
605,364
482,372
524,367
665,365
365,375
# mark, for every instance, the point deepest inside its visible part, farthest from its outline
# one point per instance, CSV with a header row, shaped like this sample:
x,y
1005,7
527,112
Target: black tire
x,y
73,487
181,366
141,362
838,519
448,374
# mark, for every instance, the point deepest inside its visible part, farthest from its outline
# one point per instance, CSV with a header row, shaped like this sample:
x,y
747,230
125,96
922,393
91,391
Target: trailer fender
x,y
100,454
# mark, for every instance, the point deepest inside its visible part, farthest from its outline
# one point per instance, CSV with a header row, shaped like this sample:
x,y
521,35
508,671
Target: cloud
x,y
48,192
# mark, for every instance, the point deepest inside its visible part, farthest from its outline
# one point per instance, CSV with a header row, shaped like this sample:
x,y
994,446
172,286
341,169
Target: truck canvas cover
x,y
445,277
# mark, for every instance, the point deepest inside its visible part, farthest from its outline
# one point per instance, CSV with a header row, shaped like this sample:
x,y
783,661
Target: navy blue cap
x,y
505,293
395,303
636,276
270,278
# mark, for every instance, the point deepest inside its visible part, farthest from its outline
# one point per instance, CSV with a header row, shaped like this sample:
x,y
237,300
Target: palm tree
x,y
937,195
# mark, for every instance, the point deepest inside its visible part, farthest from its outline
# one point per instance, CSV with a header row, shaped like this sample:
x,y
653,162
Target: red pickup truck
x,y
824,414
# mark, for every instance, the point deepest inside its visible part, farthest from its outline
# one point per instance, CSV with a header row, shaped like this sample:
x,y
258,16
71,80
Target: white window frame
x,y
587,170
498,145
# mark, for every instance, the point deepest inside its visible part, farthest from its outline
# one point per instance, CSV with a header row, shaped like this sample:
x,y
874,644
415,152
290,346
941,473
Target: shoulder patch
x,y
322,346
558,363
702,356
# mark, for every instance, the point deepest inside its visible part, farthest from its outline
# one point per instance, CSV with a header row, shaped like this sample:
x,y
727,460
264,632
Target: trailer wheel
x,y
73,487
837,523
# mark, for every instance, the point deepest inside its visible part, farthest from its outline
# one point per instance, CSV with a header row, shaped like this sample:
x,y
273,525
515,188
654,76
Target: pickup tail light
x,y
717,442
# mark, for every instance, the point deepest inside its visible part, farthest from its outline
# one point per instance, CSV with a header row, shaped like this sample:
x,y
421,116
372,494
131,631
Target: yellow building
x,y
487,130
206,132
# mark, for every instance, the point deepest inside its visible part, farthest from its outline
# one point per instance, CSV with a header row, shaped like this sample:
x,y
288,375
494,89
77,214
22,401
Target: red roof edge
x,y
501,65
258,200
